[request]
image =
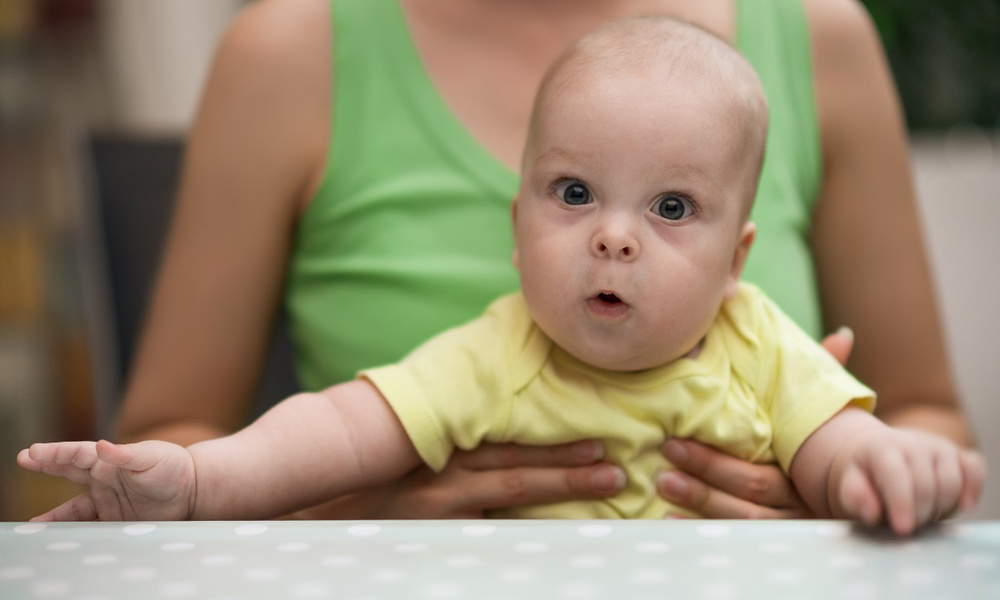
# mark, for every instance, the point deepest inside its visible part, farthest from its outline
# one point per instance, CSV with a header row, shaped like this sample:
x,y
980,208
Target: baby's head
x,y
641,166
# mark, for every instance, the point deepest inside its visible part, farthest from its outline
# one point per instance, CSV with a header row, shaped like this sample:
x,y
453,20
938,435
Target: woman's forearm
x,y
946,421
183,433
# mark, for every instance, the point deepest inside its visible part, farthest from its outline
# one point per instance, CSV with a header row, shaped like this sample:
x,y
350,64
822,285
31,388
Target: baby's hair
x,y
672,47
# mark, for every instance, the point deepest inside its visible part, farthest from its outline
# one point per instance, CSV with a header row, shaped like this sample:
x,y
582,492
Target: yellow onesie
x,y
759,387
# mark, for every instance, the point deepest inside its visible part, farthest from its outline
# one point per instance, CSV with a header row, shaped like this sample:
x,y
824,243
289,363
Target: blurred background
x,y
133,70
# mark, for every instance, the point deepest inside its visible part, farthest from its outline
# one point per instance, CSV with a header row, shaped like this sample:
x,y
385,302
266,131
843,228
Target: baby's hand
x,y
904,477
148,481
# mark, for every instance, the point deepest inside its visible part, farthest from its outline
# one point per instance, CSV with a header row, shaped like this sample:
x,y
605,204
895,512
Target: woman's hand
x,y
492,476
718,486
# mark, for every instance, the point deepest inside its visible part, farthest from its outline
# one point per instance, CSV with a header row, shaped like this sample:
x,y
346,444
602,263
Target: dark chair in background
x,y
126,186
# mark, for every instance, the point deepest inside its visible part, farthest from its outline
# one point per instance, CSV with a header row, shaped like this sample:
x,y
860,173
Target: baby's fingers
x,y
973,475
70,460
895,483
80,508
857,497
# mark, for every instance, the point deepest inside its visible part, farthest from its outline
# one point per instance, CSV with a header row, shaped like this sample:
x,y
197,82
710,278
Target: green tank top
x,y
409,232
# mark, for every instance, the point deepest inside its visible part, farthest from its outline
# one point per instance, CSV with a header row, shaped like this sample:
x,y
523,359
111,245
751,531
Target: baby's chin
x,y
624,360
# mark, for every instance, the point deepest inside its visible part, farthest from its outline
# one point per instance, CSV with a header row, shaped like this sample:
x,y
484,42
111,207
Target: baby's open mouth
x,y
607,305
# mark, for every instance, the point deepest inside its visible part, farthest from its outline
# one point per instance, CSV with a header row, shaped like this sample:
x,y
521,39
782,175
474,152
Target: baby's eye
x,y
573,193
673,207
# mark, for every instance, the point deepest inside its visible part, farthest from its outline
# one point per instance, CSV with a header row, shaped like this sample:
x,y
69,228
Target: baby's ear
x,y
747,235
513,228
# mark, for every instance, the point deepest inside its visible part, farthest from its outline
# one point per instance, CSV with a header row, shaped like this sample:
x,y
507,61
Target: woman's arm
x,y
872,268
869,249
255,153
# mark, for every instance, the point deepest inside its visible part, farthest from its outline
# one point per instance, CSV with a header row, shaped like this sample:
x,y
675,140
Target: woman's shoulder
x,y
279,34
842,33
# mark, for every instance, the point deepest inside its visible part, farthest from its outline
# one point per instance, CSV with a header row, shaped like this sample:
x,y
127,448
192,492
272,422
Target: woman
x,y
369,188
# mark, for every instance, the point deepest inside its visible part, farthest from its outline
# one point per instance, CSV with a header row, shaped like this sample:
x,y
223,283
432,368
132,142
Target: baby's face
x,y
629,230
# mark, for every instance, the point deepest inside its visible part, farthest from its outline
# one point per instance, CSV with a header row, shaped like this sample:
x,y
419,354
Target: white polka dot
x,y
99,560
648,576
340,560
138,574
718,591
845,561
179,589
519,575
139,529
478,530
411,547
218,560
916,576
652,547
860,591
787,576
955,529
777,547
531,547
444,590
262,574
16,573
977,562
29,528
713,530
363,530
63,546
251,529
292,547
595,530
587,561
387,575
578,590
310,589
833,529
715,561
177,547
51,589
462,561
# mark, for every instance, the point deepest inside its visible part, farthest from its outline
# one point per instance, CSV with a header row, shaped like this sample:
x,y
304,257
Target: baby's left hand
x,y
904,477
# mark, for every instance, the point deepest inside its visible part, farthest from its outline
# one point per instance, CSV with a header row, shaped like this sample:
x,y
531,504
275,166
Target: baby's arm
x,y
306,449
854,466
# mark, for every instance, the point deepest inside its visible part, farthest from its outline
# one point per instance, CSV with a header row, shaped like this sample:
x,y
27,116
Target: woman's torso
x,y
409,232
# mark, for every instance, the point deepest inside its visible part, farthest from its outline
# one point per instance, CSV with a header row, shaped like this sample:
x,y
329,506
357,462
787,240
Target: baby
x,y
631,230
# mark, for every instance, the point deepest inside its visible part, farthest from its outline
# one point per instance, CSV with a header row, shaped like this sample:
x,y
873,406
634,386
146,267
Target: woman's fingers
x,y
720,486
507,456
693,494
473,493
535,485
839,344
457,492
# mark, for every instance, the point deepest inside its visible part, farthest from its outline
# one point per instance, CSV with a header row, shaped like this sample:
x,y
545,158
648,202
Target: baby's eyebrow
x,y
557,153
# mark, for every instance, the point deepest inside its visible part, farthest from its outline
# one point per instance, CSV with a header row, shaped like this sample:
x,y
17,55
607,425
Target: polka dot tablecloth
x,y
629,560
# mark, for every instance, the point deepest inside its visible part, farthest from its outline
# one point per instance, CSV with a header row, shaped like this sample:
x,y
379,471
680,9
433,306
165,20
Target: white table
x,y
634,560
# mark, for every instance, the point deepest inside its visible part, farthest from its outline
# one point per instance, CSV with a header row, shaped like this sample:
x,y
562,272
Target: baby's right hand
x,y
148,481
